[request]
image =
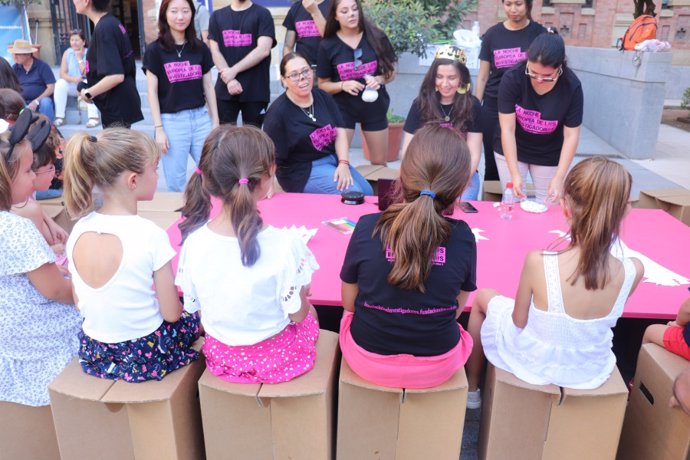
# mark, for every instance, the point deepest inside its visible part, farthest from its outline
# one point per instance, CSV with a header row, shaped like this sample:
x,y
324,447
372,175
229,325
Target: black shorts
x,y
373,116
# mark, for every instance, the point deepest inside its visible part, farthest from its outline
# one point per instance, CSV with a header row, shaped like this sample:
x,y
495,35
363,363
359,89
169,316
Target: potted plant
x,y
395,135
685,104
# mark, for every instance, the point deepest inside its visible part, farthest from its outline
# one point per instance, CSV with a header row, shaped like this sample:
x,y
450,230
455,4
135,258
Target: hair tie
x,y
427,192
93,139
243,181
197,170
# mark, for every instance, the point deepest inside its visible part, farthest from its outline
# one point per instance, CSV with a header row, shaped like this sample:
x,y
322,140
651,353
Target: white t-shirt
x,y
244,305
126,307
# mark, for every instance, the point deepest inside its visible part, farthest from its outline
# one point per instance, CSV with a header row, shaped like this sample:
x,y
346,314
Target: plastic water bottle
x,y
507,202
475,28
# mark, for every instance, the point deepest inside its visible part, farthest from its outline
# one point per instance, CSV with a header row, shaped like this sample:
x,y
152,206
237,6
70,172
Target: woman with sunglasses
x,y
307,129
180,90
503,45
72,72
355,55
540,112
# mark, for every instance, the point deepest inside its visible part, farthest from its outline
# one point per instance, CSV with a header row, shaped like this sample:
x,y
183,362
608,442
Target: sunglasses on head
x,y
19,130
357,54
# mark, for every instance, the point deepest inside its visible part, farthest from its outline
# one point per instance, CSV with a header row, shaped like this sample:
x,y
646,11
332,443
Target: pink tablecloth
x,y
652,233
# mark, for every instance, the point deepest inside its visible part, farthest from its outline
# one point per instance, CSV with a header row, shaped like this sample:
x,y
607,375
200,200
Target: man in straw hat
x,y
35,77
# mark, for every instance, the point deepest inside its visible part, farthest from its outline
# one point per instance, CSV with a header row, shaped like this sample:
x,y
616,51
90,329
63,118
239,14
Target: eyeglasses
x,y
357,54
307,73
540,78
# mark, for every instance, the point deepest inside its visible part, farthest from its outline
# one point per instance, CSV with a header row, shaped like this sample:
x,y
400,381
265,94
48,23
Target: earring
x,y
464,89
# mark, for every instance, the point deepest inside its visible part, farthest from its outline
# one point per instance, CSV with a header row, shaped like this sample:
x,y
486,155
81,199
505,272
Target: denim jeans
x,y
471,193
47,108
186,131
321,178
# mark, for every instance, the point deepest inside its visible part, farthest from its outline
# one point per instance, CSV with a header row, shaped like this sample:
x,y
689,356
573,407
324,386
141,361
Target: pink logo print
x,y
306,29
122,29
182,71
347,70
86,66
508,57
323,136
438,259
530,121
233,38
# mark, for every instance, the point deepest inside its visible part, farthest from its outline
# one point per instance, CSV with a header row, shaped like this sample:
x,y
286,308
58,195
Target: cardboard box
x,y
396,423
291,420
674,201
163,201
372,173
652,429
27,433
163,219
523,421
106,419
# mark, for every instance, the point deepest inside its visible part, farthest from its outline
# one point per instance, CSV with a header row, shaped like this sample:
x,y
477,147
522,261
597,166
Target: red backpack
x,y
643,28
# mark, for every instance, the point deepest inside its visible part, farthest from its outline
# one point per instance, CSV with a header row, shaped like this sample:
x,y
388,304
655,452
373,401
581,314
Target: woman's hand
x,y
352,87
342,176
234,87
517,187
372,82
162,140
555,189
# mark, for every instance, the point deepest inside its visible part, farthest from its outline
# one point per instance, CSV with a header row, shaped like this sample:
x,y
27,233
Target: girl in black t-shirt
x,y
503,45
307,130
110,68
355,55
178,74
408,272
540,112
305,23
445,96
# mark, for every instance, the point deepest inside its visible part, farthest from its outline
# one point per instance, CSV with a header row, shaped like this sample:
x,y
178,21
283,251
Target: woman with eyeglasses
x,y
72,72
180,90
355,56
540,113
307,129
503,45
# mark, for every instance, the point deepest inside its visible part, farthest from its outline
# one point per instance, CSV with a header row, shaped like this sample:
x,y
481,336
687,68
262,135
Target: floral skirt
x,y
147,358
286,355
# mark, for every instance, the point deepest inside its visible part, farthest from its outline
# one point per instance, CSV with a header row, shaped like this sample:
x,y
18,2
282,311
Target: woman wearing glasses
x,y
307,129
503,45
355,55
540,112
180,90
72,72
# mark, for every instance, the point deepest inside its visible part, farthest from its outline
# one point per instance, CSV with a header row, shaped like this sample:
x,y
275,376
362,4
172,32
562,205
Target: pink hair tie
x,y
243,181
197,170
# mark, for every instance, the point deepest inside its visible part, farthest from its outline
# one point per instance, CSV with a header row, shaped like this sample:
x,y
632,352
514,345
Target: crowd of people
x,y
408,271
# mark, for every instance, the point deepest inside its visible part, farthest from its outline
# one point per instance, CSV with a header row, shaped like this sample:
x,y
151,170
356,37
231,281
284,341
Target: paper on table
x,y
341,224
304,233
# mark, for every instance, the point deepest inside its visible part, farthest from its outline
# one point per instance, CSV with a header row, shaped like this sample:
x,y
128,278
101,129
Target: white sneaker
x,y
474,400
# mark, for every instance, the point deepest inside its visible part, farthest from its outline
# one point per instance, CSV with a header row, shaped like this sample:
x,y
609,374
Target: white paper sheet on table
x,y
304,233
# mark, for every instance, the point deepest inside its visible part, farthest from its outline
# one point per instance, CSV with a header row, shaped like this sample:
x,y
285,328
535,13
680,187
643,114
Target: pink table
x,y
650,232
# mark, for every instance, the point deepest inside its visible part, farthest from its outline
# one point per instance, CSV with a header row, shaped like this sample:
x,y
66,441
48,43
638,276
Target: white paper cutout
x,y
304,233
477,234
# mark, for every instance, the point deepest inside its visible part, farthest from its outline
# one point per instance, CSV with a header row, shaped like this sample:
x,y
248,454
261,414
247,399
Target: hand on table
x,y
517,187
555,189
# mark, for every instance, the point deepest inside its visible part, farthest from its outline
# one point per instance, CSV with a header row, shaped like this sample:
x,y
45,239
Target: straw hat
x,y
22,47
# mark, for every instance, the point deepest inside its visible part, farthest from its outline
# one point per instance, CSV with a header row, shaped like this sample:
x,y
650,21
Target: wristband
x,y
157,126
341,85
344,162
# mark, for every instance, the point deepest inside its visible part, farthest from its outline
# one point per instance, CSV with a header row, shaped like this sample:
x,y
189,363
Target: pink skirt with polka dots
x,y
281,358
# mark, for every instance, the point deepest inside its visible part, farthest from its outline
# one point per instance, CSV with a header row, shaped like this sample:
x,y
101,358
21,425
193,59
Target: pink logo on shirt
x,y
438,259
508,57
323,136
122,29
86,66
306,29
235,38
530,121
182,71
347,70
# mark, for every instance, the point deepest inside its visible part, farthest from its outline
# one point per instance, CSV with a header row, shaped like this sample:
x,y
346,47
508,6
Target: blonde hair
x,y
98,161
8,168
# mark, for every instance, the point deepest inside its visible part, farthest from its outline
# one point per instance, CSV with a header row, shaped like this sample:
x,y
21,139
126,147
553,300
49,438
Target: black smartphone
x,y
385,191
467,207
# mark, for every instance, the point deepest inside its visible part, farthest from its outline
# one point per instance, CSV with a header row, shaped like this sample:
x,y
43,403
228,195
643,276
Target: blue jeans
x,y
321,178
471,193
47,108
48,194
186,131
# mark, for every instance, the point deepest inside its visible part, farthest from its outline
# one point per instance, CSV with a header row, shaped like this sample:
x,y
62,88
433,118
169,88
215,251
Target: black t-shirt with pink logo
x,y
308,37
180,84
504,48
237,33
298,139
390,320
414,119
539,119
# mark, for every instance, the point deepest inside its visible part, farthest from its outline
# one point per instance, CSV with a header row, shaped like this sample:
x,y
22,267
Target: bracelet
x,y
157,126
341,85
344,162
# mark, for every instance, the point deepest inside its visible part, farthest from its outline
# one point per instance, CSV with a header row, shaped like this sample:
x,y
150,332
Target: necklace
x,y
179,53
446,116
309,111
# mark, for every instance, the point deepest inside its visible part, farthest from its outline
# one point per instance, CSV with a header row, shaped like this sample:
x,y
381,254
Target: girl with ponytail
x,y
132,330
250,280
409,270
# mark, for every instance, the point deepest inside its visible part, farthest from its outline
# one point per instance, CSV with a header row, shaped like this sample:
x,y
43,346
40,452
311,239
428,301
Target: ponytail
x,y
197,205
79,173
246,219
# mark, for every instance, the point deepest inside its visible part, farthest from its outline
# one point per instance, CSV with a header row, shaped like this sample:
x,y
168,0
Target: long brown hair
x,y
230,153
165,36
597,191
9,166
430,100
436,160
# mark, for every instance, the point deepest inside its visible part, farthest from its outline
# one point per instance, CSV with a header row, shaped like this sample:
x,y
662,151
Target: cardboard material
x,y
523,421
163,201
105,419
59,214
291,420
652,429
163,219
396,423
372,173
674,201
27,433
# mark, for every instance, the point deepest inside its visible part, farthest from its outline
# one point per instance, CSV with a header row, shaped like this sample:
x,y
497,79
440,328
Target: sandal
x,y
93,122
59,121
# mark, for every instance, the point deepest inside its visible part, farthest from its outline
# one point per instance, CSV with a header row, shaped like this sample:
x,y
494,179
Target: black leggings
x,y
253,113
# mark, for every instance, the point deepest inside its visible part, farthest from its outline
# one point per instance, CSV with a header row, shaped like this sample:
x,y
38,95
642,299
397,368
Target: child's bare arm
x,y
166,292
523,298
683,317
302,313
48,280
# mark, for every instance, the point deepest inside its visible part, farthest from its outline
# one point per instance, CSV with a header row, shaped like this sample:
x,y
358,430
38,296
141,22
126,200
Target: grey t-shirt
x,y
201,19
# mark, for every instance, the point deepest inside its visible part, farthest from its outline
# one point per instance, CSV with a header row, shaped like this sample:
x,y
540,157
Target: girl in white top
x,y
557,330
133,327
249,280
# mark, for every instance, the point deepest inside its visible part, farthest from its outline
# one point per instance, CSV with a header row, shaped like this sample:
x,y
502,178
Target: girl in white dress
x,y
557,330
